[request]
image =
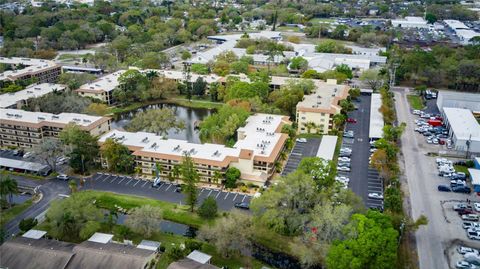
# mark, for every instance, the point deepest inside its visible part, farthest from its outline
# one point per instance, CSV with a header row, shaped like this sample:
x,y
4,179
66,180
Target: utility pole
x,y
187,76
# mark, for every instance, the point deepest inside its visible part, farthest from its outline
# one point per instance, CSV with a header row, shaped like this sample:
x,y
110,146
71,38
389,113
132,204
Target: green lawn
x,y
8,214
171,211
71,56
321,20
415,101
288,29
461,168
181,101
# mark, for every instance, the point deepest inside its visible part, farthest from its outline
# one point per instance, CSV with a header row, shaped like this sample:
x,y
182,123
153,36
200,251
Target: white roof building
x,y
199,257
149,245
38,117
106,83
33,66
410,22
463,32
376,118
101,238
464,129
326,150
18,99
34,234
457,99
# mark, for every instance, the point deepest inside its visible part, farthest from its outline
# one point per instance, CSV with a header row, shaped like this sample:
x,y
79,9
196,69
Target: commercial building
x,y
464,130
33,251
315,112
410,22
27,129
25,68
256,152
20,98
463,32
457,99
101,88
326,150
360,59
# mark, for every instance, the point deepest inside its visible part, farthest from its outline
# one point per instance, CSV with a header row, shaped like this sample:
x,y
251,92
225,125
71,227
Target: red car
x,y
350,120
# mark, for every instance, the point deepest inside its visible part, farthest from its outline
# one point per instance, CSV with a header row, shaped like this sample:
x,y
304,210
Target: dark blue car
x,y
444,188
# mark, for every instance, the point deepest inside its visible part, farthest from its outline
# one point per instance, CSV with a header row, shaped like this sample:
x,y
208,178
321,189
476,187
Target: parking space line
x,y
97,177
202,190
129,181
218,194
235,196
169,185
244,196
209,193
144,183
226,196
121,180
105,178
136,182
114,178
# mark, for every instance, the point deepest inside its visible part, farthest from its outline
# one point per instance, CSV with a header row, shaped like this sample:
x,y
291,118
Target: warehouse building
x,y
410,22
27,129
464,130
465,100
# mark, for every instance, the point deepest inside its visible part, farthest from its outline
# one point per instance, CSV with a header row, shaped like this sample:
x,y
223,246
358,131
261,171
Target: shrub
x,y
175,253
231,176
191,245
27,224
208,209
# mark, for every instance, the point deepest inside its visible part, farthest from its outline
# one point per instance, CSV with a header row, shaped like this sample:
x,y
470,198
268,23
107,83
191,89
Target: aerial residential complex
x,y
101,88
317,61
26,129
255,153
315,112
20,98
25,68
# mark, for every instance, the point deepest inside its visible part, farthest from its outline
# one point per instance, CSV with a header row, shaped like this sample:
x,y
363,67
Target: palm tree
x,y
310,125
176,172
8,186
72,184
138,171
339,120
216,177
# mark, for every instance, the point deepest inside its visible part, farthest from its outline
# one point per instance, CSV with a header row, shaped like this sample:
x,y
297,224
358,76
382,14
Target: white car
x,y
373,150
343,168
416,112
344,159
301,140
464,265
375,195
476,206
27,155
62,177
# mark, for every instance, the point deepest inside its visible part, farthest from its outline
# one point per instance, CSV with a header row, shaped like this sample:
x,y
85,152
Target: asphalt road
x,y
50,191
419,183
363,179
166,191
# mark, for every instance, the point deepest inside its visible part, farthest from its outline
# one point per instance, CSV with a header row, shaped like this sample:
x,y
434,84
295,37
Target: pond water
x,y
167,227
188,115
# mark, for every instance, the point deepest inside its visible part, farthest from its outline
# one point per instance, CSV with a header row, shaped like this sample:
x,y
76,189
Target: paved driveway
x,y
165,191
301,150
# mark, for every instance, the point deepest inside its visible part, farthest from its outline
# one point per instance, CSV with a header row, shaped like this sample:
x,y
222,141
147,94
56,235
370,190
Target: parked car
x,y
464,250
473,234
461,206
343,168
344,159
351,120
27,155
444,188
464,265
462,189
344,164
178,188
63,177
476,206
242,205
470,217
465,212
375,195
61,160
301,140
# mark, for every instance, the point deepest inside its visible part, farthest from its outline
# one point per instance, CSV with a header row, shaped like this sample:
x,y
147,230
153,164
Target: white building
x,y
20,98
464,129
376,118
26,68
456,99
463,32
410,22
258,147
101,88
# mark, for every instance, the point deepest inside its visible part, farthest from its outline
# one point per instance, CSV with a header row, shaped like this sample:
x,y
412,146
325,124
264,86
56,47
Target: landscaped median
x,y
10,213
415,101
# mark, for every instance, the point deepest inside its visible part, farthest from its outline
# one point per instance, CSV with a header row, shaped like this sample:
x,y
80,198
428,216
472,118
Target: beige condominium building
x,y
258,148
26,129
101,88
20,98
315,112
26,68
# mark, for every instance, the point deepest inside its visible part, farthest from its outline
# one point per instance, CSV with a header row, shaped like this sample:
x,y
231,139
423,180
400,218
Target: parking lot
x,y
363,179
301,150
166,191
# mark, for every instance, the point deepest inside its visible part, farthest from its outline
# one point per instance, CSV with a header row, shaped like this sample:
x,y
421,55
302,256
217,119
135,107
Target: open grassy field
x,y
415,102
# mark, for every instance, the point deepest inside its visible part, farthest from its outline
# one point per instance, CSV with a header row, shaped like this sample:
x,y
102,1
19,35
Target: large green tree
x,y
118,156
190,177
158,121
83,147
